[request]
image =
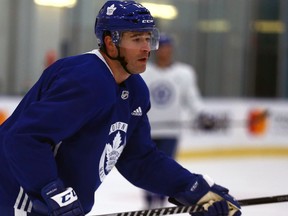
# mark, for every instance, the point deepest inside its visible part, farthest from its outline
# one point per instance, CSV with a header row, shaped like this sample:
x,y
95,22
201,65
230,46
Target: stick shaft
x,y
264,200
158,211
195,208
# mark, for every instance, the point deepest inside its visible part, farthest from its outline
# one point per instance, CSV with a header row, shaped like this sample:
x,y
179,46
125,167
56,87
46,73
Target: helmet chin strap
x,y
120,59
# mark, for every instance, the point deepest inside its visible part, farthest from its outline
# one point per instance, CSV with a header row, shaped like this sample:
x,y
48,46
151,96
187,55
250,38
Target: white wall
x,y
28,32
4,34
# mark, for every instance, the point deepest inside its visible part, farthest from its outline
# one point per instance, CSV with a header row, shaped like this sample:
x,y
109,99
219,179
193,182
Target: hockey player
x,y
87,114
173,90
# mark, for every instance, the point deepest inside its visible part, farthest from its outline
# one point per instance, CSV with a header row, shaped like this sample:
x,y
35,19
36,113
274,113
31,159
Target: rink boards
x,y
238,127
224,127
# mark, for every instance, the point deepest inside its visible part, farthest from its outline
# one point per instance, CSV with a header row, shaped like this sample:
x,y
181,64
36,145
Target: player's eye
x,y
137,39
148,39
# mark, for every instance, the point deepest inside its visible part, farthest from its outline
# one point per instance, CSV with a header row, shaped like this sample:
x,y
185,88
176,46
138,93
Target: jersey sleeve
x,y
191,97
61,108
146,167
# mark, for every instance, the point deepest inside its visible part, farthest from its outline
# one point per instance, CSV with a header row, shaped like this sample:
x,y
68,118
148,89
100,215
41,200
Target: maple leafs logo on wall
x,y
113,152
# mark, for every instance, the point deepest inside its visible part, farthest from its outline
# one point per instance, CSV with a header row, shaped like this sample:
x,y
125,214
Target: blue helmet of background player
x,y
116,17
165,39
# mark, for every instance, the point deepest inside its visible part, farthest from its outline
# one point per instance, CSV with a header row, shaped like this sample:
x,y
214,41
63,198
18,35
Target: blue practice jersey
x,y
75,124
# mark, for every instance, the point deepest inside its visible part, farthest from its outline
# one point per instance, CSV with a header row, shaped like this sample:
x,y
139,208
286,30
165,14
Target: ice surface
x,y
245,177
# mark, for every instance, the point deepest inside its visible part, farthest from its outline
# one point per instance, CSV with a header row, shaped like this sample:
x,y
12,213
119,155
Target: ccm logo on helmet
x,y
147,21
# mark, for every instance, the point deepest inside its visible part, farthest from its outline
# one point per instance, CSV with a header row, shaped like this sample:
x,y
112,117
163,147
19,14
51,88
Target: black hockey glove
x,y
214,198
59,201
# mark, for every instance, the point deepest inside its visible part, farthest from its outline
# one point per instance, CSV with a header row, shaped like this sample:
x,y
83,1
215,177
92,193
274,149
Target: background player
x,y
173,91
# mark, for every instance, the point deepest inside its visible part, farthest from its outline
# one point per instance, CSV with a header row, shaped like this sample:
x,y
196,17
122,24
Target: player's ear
x,y
110,46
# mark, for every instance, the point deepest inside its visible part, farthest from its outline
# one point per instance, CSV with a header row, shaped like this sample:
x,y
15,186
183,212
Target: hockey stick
x,y
195,208
263,200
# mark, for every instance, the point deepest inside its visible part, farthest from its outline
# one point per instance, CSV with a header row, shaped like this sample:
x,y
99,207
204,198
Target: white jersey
x,y
172,91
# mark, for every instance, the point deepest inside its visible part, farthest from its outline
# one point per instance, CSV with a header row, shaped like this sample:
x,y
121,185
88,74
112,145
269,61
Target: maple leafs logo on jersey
x,y
113,148
113,152
162,93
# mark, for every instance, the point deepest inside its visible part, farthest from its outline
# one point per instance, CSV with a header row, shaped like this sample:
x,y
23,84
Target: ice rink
x,y
246,177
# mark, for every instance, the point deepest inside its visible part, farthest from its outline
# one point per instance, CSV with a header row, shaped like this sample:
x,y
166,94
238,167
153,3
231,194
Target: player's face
x,y
135,48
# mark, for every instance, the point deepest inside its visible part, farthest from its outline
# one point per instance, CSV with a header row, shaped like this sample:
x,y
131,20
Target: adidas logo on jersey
x,y
137,112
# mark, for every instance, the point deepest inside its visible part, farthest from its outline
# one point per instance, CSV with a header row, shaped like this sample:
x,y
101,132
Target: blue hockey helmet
x,y
117,17
165,39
